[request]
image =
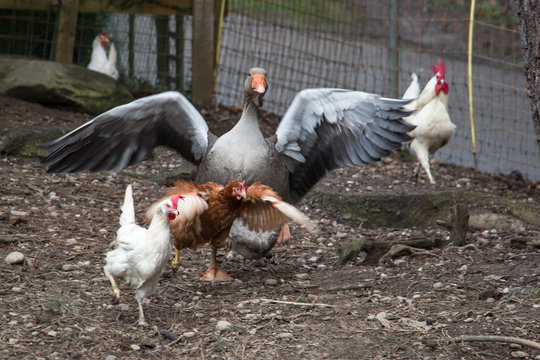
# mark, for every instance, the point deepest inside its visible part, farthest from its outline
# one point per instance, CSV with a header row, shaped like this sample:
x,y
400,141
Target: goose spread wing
x,y
126,135
263,210
326,128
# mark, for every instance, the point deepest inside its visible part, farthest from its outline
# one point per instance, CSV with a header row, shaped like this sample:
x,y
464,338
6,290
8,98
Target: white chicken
x,y
99,60
434,128
141,253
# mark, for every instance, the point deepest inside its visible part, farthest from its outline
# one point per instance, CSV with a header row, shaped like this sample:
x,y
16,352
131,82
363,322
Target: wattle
x,y
444,87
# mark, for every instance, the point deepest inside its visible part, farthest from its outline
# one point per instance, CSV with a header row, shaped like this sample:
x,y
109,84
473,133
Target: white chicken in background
x,y
433,125
99,60
141,253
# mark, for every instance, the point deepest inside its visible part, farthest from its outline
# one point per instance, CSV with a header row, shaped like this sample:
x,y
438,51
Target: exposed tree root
x,y
495,338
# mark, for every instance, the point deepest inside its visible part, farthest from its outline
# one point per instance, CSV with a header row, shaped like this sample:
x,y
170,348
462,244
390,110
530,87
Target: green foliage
x,y
27,33
219,343
59,305
497,14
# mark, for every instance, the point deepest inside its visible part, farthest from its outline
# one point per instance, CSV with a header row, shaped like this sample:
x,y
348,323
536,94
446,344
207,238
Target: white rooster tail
x,y
413,90
112,55
128,209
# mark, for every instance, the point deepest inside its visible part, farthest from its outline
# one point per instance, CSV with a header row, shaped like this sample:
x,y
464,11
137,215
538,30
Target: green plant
x,y
60,305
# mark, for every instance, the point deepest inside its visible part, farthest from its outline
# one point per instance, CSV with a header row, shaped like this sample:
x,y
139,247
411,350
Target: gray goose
x,y
321,130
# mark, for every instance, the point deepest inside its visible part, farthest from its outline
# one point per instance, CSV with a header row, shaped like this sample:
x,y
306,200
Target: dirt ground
x,y
57,304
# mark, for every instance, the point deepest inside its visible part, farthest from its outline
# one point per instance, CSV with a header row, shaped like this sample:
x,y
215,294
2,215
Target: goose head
x,y
255,87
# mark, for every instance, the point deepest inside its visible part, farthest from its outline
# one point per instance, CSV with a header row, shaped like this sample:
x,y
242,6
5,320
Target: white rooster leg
x,y
115,288
422,155
417,171
142,320
284,234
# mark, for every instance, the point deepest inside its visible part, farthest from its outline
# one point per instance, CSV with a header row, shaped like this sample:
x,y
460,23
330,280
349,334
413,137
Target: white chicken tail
x,y
128,209
112,55
413,90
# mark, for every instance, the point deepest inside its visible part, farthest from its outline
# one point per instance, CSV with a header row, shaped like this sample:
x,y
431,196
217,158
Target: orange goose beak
x,y
257,84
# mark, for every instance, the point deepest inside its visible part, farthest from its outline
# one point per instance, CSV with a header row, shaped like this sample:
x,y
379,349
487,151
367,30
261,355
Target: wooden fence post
x,y
203,51
67,25
393,52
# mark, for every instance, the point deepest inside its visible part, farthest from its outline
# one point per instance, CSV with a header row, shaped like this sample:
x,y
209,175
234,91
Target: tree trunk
x,y
528,14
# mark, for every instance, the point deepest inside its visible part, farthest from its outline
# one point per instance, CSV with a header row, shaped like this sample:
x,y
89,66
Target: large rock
x,y
48,82
417,209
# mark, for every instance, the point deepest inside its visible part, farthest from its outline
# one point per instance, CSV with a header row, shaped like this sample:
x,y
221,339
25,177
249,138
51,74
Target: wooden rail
x,y
205,18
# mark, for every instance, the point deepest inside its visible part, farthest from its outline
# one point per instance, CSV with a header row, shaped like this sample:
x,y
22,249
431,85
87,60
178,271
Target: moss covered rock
x,y
67,85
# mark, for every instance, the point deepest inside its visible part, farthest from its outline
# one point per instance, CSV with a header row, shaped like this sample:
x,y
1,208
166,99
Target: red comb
x,y
174,200
440,68
243,188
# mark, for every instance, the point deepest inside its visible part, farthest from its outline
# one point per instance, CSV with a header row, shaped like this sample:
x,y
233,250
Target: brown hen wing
x,y
263,210
186,228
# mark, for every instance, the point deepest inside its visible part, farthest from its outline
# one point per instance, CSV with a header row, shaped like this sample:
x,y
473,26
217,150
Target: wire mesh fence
x,y
347,44
368,46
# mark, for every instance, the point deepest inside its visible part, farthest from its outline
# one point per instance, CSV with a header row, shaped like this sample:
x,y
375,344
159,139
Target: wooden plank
x,y
29,4
203,52
155,7
67,26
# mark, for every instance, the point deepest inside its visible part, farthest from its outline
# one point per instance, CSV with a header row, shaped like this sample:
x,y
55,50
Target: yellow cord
x,y
471,27
218,45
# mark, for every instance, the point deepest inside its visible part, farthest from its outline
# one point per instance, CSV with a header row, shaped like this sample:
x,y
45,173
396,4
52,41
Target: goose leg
x,y
284,234
214,272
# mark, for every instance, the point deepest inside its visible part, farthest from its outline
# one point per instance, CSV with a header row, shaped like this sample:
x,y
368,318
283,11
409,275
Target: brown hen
x,y
209,210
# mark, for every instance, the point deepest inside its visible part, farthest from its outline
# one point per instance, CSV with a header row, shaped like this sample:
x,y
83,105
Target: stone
x,y
135,347
284,335
271,282
493,221
188,334
69,267
17,213
14,257
302,276
54,83
223,325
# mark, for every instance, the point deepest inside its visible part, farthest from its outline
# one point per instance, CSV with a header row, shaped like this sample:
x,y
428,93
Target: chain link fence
x,y
368,46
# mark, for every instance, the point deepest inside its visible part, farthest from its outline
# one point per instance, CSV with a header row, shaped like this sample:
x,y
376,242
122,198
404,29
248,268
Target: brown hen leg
x,y
284,234
214,272
176,261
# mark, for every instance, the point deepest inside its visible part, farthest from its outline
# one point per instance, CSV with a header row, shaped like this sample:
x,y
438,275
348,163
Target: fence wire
x,y
347,44
317,43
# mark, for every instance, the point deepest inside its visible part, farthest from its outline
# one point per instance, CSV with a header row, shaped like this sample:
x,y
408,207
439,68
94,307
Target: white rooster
x,y
141,253
433,125
99,61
